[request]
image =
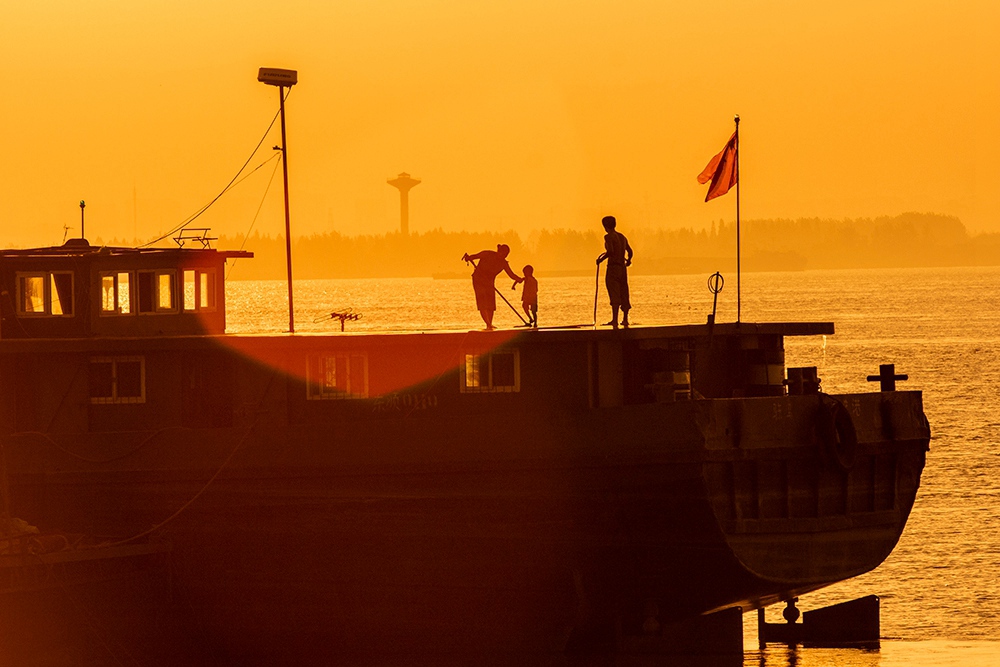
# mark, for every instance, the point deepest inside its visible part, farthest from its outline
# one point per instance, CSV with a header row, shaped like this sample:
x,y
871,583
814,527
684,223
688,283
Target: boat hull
x,y
555,533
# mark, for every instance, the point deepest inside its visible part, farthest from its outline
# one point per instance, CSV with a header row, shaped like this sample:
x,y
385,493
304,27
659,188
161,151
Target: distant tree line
x,y
907,240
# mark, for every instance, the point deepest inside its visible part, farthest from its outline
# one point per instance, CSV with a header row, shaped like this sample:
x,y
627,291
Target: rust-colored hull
x,y
409,534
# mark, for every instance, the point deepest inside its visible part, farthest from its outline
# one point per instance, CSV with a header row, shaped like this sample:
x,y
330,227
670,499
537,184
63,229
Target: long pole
x,y
519,316
497,290
597,283
288,228
738,302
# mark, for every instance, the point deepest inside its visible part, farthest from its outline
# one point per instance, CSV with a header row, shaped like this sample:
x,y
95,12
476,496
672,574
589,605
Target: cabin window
x,y
494,372
340,375
165,291
189,290
206,290
32,294
156,291
118,380
61,293
199,289
116,293
45,294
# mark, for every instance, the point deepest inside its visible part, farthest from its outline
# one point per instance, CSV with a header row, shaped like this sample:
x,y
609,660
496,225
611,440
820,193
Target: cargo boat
x,y
528,490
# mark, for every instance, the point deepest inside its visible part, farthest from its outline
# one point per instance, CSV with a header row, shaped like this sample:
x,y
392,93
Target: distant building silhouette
x,y
403,183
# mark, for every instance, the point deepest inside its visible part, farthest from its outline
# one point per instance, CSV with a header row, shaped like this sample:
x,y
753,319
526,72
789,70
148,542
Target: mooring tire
x,y
836,433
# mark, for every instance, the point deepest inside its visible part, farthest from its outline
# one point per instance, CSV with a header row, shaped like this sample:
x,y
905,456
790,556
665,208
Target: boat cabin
x,y
77,290
145,327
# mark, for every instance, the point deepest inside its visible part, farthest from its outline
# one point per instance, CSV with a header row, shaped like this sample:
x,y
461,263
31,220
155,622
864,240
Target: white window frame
x,y
132,297
317,386
115,398
198,295
47,278
157,309
485,360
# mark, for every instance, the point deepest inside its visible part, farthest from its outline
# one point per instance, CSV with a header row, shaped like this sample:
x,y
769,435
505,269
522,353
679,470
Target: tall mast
x,y
738,303
283,78
288,226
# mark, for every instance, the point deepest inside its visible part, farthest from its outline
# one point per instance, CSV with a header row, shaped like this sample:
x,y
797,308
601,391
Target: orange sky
x,y
515,114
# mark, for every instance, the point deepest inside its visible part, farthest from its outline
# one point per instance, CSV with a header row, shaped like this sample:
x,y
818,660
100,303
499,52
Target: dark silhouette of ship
x,y
528,490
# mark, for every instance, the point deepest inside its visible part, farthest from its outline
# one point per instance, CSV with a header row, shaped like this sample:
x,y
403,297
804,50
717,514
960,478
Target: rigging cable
x,y
246,237
231,183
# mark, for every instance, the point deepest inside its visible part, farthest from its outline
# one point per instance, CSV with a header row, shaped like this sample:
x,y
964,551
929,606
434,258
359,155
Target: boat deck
x,y
635,332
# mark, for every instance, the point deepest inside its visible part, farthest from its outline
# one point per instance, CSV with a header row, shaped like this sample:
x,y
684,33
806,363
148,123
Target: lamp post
x,y
283,78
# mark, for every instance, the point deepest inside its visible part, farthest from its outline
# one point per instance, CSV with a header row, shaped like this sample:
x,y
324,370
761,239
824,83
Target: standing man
x,y
619,255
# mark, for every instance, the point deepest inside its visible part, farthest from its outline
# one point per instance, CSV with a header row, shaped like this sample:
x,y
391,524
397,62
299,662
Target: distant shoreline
x,y
907,240
635,271
458,275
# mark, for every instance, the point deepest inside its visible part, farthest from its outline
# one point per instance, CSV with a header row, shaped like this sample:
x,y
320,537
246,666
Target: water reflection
x,y
736,660
893,653
796,656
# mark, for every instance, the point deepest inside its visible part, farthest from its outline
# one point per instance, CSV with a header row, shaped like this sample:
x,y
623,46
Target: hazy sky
x,y
514,114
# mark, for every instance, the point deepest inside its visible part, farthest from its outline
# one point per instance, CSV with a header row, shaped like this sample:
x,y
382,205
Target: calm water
x,y
940,588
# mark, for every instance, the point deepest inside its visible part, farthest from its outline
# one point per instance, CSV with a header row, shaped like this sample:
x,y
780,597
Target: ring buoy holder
x,y
836,432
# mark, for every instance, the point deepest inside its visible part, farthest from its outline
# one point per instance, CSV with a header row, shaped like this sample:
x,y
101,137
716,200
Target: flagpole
x,y
723,171
738,303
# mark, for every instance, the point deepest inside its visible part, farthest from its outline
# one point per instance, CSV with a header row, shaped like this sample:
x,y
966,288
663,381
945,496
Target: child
x,y
529,296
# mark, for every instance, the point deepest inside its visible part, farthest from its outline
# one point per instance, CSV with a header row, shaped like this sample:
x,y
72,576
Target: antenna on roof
x,y
83,205
66,229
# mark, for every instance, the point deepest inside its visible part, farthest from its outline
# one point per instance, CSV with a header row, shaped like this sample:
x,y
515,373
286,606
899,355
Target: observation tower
x,y
403,183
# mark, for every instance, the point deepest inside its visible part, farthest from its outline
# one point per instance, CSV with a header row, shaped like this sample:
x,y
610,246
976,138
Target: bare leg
x,y
614,317
487,316
625,317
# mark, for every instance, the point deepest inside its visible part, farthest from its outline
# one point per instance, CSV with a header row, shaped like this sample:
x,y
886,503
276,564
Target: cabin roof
x,y
82,248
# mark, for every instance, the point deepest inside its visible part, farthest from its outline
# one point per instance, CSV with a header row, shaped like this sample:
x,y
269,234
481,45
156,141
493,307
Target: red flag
x,y
721,170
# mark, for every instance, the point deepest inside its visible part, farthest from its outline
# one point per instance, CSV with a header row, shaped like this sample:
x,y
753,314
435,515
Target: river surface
x,y
940,588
